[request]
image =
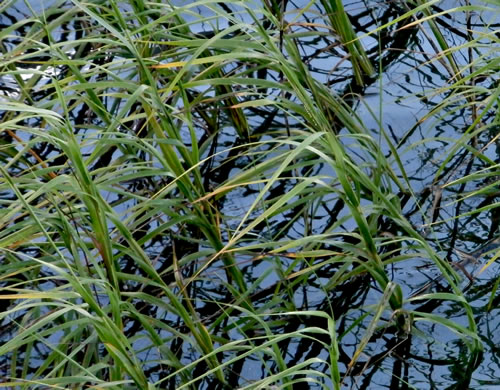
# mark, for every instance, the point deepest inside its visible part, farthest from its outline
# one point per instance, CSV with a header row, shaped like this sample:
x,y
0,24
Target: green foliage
x,y
141,182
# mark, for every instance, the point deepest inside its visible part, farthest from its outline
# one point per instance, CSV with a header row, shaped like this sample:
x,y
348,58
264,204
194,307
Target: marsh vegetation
x,y
249,194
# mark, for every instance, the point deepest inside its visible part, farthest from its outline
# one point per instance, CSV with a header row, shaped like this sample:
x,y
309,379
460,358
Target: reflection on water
x,y
432,357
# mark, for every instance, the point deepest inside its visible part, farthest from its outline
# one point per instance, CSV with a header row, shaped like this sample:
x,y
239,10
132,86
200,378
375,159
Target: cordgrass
x,y
177,183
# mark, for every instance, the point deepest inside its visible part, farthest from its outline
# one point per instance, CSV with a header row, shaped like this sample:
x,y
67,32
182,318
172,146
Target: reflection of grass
x,y
122,268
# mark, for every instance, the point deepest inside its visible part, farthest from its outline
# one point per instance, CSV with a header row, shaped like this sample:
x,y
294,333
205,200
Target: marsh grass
x,y
175,177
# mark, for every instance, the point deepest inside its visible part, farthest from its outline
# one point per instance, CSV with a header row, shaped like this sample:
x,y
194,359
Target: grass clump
x,y
191,198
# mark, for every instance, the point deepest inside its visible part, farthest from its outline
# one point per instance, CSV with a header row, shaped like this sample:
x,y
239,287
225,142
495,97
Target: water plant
x,y
213,194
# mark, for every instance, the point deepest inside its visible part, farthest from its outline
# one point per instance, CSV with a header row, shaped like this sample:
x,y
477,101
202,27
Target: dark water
x,y
432,357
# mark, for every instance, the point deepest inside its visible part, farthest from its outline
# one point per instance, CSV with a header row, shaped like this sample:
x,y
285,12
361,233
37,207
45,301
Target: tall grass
x,y
180,188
